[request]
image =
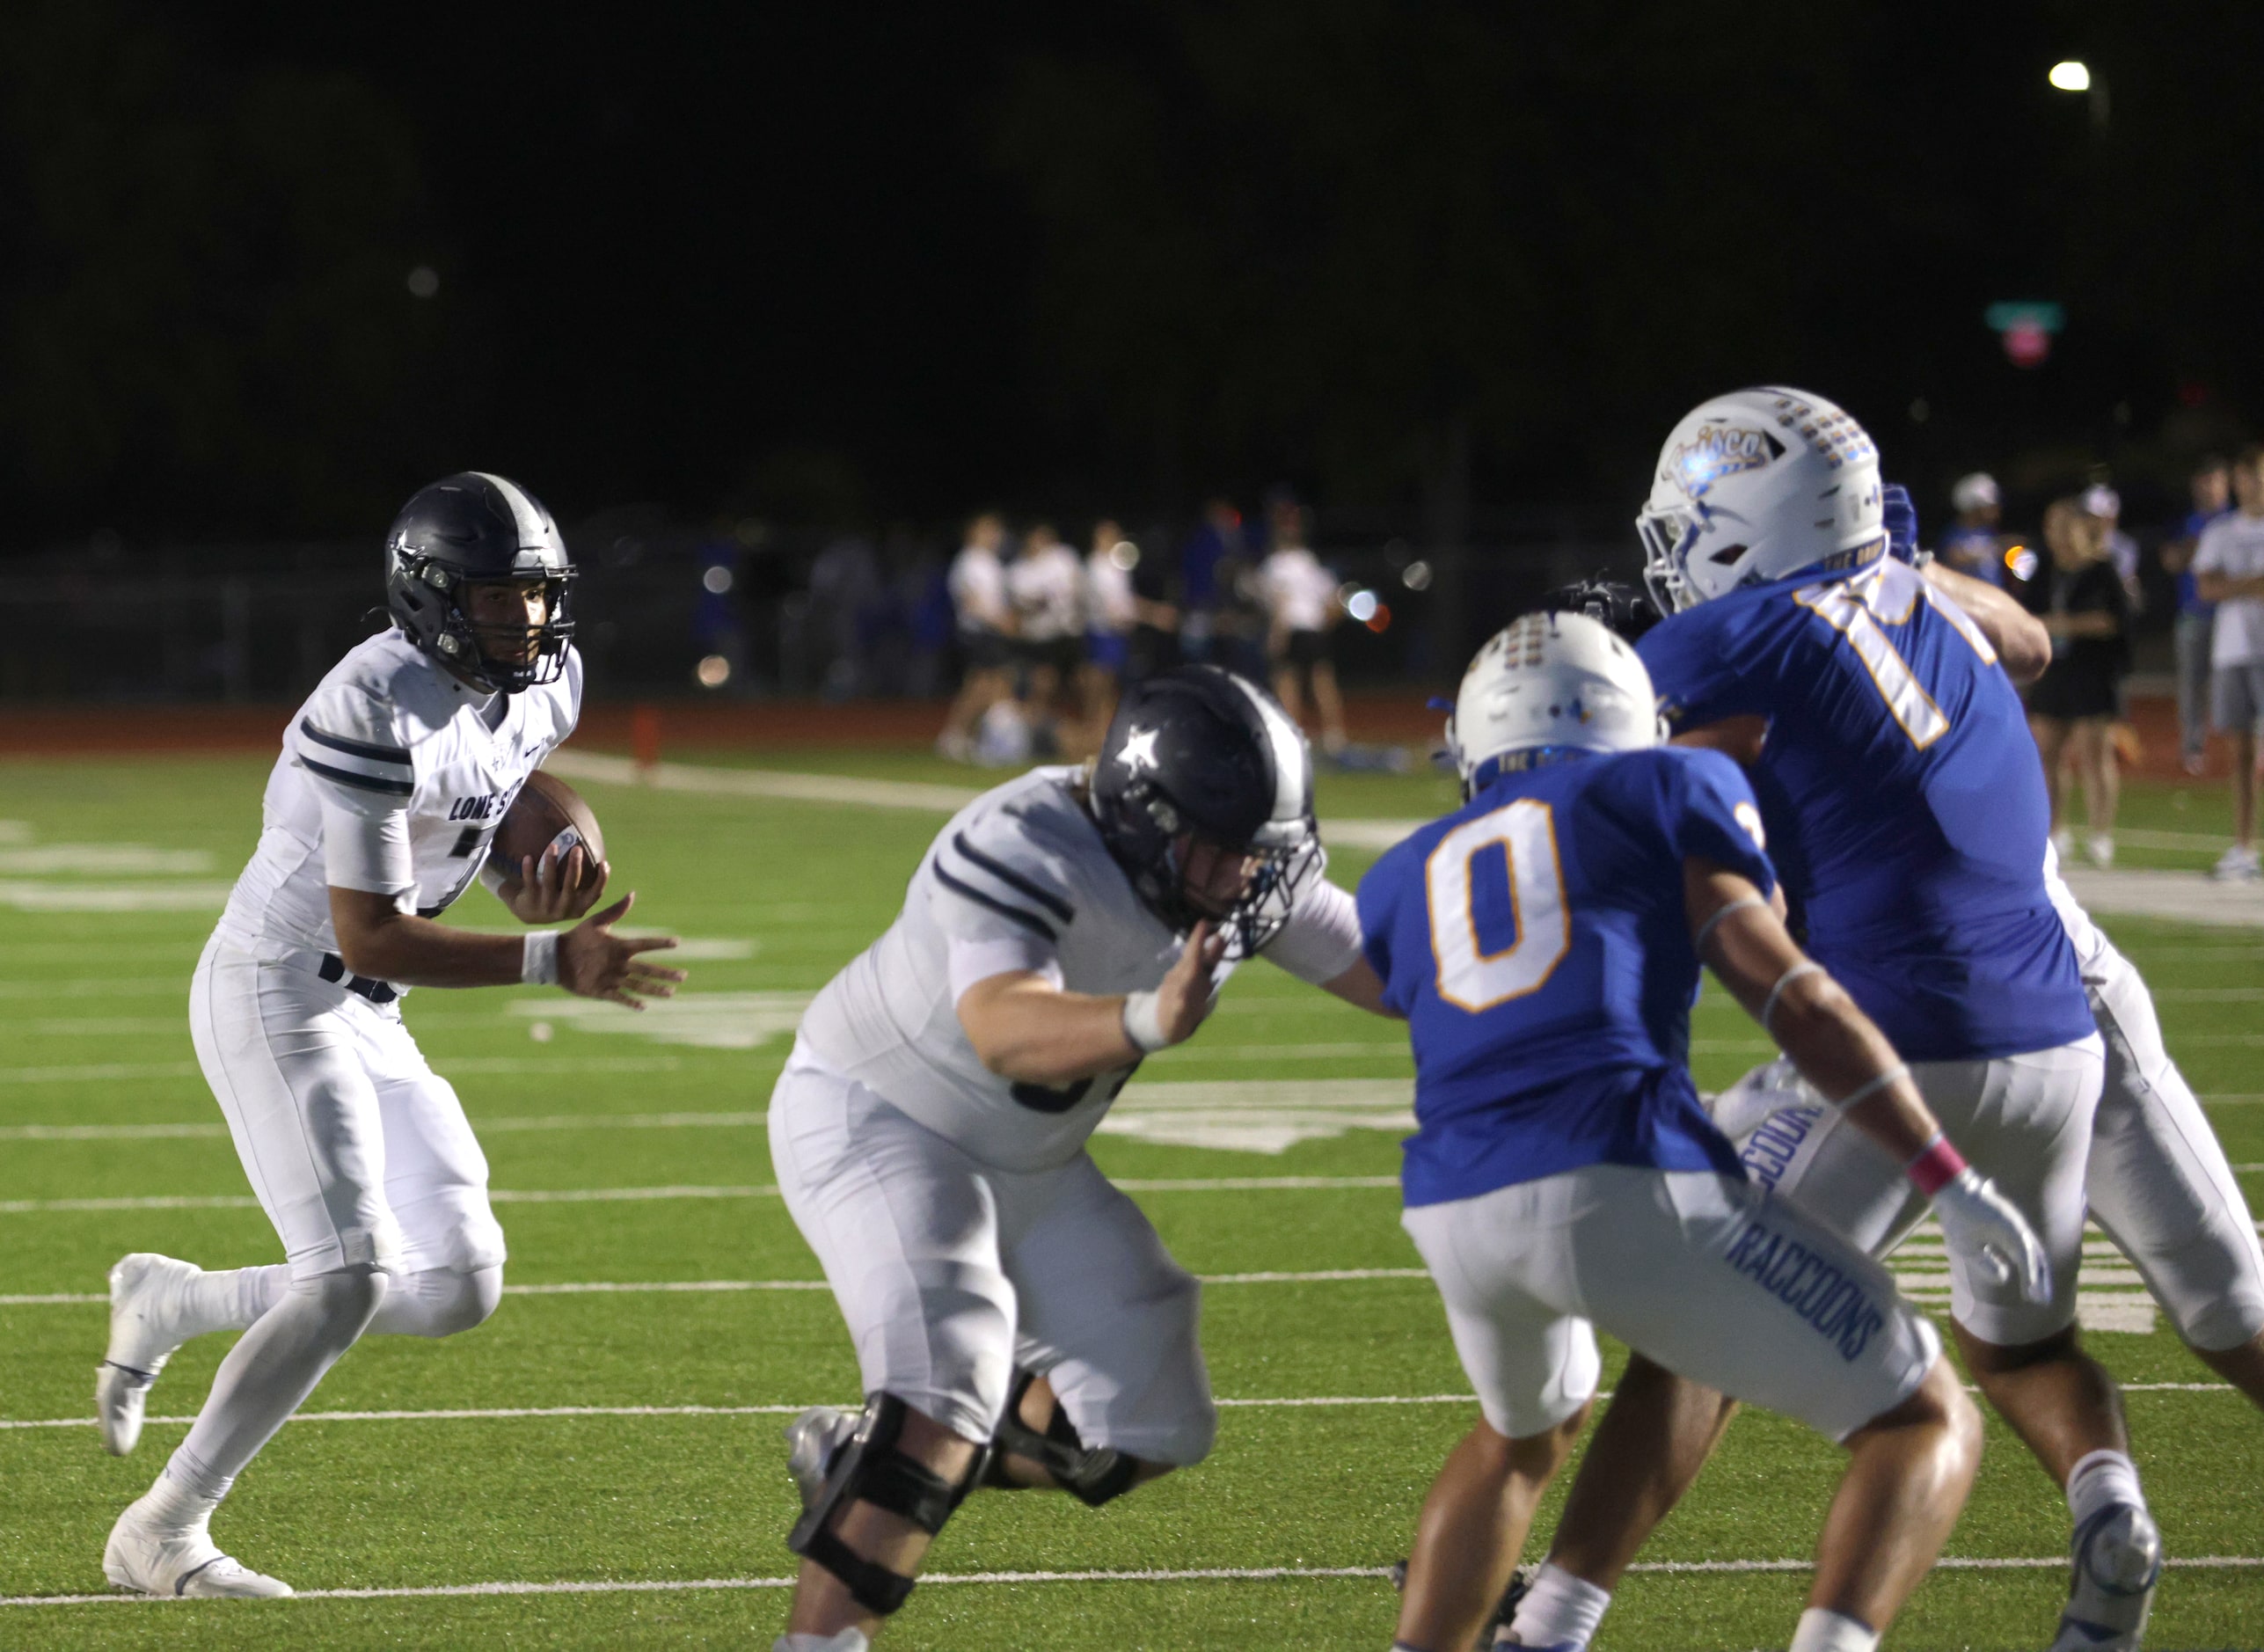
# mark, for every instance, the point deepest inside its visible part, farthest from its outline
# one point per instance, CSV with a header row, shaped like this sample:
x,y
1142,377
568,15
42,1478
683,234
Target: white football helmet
x,y
1550,680
1755,485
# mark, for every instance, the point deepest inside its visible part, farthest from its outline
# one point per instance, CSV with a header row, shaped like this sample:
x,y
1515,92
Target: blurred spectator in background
x,y
2104,502
1111,610
1972,544
2212,497
1302,611
2080,597
2229,569
986,625
846,600
1154,647
1046,587
1215,540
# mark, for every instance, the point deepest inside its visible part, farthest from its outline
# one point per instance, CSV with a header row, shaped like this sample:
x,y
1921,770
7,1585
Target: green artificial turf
x,y
92,1035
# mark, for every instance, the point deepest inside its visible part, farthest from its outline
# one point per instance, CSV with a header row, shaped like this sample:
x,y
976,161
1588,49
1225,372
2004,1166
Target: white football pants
x,y
358,1151
2158,1181
951,1272
2025,1121
1710,1277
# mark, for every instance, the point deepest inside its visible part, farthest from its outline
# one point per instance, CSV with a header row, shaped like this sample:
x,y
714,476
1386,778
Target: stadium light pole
x,y
2074,75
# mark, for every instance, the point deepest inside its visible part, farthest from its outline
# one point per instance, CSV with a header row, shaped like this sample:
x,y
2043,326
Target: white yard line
x,y
524,1414
643,1286
547,1121
607,1195
1156,1575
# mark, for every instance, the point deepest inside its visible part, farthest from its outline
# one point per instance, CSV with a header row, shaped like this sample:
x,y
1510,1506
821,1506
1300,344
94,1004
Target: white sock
x,y
184,1496
1822,1630
233,1297
2100,1477
849,1639
1560,1609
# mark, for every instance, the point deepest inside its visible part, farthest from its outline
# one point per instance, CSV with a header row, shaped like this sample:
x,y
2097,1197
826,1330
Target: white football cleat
x,y
812,1439
2118,1560
149,1559
146,1325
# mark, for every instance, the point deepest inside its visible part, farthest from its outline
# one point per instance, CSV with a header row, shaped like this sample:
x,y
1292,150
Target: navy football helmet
x,y
473,528
1201,753
1618,606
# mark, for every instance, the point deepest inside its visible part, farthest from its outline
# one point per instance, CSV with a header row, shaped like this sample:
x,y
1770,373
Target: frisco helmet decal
x,y
1719,450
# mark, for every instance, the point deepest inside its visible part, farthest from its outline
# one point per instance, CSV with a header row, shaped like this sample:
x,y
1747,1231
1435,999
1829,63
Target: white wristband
x,y
1142,1024
538,965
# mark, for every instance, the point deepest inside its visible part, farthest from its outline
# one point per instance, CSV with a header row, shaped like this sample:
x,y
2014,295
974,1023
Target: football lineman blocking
x,y
393,778
1894,771
1545,943
1017,1321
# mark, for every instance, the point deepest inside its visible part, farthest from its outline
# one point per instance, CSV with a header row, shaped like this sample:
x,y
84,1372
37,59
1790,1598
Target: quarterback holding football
x,y
394,777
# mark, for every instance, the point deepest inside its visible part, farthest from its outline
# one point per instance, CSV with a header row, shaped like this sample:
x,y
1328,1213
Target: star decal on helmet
x,y
1140,748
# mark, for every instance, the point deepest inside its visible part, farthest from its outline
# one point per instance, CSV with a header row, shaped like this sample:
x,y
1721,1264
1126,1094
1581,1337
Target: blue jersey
x,y
1536,942
1903,800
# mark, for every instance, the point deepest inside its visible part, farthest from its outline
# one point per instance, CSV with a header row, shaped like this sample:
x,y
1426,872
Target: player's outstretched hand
x,y
1186,996
1986,1228
594,963
554,889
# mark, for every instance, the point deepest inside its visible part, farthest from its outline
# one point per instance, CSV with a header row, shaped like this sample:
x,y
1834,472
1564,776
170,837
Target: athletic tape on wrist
x,y
1706,929
1935,1165
1806,967
538,964
1142,1023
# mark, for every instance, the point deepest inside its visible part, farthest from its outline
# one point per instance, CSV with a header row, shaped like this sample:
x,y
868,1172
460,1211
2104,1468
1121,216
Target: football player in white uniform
x,y
393,777
1017,1321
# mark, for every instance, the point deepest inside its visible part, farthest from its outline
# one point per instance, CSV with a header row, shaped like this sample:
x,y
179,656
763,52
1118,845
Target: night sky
x,y
853,263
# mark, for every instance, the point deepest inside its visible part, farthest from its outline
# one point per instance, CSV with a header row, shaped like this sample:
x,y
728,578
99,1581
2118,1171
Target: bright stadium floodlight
x,y
2071,73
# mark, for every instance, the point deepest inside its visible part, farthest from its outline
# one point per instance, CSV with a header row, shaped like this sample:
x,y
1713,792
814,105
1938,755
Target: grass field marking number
x,y
1470,977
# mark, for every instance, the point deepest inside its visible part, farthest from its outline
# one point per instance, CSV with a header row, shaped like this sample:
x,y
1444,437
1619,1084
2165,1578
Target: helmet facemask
x,y
1150,838
481,652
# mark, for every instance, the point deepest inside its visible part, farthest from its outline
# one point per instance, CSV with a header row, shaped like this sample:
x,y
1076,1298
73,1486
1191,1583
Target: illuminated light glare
x,y
714,672
1362,605
717,579
1125,555
424,280
2022,562
2070,76
1380,621
2027,345
1416,576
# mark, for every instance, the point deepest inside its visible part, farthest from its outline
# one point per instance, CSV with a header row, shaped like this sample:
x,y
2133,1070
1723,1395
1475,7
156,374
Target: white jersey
x,y
1298,590
1046,583
1018,879
390,736
1109,608
978,589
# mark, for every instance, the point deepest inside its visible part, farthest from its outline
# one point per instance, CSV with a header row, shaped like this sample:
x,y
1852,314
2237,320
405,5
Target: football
x,y
546,811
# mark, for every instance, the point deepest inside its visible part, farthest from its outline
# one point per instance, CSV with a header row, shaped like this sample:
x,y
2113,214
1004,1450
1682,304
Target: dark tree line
x,y
902,259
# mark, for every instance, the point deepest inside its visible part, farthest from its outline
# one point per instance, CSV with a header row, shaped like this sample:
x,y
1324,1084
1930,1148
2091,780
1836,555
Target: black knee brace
x,y
1091,1474
869,1468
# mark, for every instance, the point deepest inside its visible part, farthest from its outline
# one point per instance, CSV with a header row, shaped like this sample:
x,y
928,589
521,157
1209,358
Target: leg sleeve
x,y
906,1227
1110,1317
281,1055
